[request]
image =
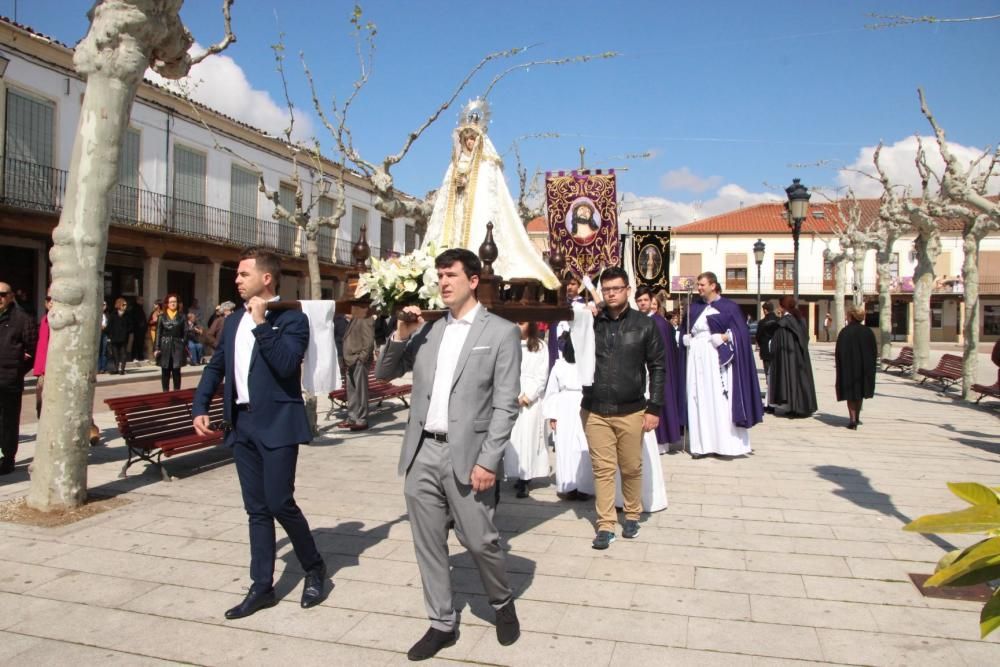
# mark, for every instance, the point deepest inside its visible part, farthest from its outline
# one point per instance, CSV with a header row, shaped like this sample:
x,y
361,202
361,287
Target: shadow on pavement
x,y
856,487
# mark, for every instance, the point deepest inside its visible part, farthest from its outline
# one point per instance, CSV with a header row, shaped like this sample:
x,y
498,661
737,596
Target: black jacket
x,y
170,337
18,337
765,332
119,327
624,350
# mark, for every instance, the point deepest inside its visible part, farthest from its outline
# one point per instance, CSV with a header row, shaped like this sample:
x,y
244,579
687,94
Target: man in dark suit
x,y
260,357
466,380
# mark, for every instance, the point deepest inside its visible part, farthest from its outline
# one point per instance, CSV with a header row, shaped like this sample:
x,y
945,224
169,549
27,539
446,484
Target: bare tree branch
x,y
893,21
554,61
228,39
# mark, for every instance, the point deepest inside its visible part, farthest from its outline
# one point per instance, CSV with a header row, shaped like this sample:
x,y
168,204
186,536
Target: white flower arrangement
x,y
405,280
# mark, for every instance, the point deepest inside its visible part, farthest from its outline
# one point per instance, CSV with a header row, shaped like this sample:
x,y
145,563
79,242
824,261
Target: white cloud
x,y
219,83
666,212
687,181
898,162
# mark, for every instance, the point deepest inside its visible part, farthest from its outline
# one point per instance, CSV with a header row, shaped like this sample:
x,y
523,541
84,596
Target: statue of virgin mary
x,y
473,194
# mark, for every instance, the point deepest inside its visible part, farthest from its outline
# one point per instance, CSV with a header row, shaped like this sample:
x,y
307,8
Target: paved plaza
x,y
792,555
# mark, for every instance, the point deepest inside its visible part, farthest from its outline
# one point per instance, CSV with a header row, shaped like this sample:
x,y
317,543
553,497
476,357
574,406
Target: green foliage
x,y
980,562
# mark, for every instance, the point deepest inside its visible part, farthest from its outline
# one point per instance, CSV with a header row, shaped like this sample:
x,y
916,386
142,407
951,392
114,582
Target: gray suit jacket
x,y
482,407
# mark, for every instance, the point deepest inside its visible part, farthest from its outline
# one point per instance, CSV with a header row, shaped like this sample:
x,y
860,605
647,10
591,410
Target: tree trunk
x,y
884,302
59,472
839,289
923,286
970,328
859,276
312,257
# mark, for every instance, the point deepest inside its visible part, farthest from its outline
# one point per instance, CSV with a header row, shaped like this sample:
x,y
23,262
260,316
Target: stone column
x,y
961,322
812,322
909,322
214,288
151,284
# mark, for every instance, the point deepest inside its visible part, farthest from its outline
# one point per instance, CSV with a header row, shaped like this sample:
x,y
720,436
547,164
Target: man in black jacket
x,y
616,411
765,331
17,350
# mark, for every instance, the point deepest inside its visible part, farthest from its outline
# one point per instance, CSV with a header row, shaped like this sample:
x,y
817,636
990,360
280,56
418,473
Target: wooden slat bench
x,y
984,390
378,390
158,425
947,372
903,362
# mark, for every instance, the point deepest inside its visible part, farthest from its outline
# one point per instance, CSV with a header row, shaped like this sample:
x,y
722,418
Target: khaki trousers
x,y
615,444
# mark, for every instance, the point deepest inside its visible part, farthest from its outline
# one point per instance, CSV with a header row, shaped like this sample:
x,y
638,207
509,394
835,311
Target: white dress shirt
x,y
452,342
243,353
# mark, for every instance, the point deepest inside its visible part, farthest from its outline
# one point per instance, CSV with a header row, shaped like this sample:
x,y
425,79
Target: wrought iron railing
x,y
31,186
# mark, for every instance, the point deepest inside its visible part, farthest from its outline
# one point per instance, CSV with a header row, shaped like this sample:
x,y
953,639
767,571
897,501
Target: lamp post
x,y
798,205
758,256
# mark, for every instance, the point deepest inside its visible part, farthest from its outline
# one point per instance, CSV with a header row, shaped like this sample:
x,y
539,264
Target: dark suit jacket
x,y
277,411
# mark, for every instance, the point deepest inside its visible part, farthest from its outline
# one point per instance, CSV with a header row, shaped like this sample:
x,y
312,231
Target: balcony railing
x,y
30,186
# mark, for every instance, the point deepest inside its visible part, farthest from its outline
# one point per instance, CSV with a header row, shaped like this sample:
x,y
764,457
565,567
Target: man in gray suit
x,y
466,380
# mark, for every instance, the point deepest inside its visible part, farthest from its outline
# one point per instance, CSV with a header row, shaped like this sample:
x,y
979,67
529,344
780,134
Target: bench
x,y
984,390
947,372
158,425
904,362
378,390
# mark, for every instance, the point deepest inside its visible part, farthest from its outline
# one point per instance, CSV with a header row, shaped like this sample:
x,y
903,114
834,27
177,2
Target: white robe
x,y
574,470
526,456
710,410
518,256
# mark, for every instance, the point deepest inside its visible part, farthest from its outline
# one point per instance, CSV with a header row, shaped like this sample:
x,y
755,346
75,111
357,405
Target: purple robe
x,y
748,409
671,416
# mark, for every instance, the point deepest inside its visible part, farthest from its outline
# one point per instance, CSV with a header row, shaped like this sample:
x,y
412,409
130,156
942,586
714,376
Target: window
x,y
690,264
894,268
189,189
324,208
736,271
991,320
942,269
410,239
243,191
286,197
989,271
30,150
359,219
784,272
829,275
125,197
386,238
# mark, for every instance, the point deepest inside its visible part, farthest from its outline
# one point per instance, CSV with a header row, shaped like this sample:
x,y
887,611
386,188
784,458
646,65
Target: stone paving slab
x,y
794,554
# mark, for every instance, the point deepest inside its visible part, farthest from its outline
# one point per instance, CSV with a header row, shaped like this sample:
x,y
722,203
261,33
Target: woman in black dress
x,y
790,387
170,350
856,355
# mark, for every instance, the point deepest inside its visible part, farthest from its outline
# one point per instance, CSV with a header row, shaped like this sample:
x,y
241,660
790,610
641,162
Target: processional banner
x,y
650,259
583,219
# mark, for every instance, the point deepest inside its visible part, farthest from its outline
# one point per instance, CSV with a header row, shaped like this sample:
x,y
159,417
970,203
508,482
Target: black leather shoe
x,y
256,599
6,465
433,641
508,627
315,584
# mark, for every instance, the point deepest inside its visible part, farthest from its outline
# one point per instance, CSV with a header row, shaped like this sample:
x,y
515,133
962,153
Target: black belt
x,y
243,406
440,437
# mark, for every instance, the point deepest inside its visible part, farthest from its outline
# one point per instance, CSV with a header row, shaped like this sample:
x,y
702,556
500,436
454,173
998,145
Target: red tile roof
x,y
769,218
538,225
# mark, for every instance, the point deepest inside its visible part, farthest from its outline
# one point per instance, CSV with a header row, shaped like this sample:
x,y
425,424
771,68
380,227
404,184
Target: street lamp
x,y
798,206
758,256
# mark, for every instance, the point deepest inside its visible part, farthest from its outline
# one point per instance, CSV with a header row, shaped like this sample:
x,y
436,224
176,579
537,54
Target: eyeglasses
x,y
614,290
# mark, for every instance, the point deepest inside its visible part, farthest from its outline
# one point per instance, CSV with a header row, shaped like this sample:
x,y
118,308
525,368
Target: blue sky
x,y
733,98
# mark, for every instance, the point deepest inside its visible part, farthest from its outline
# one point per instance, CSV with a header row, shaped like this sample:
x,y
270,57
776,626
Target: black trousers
x,y
267,481
10,420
